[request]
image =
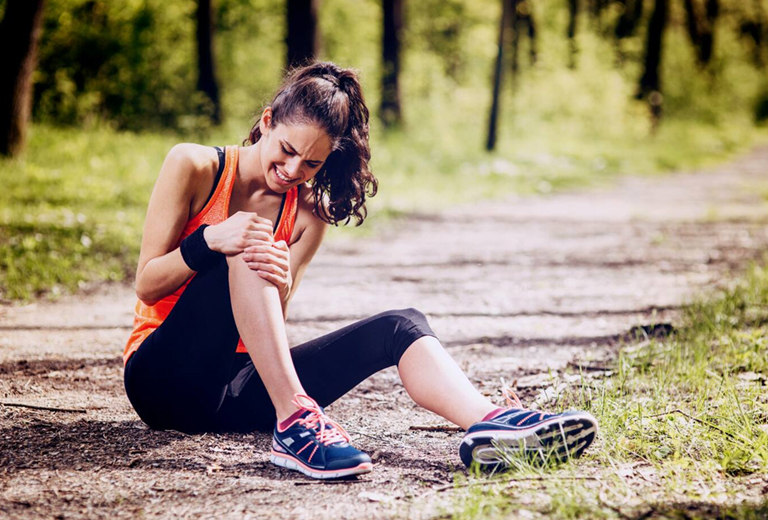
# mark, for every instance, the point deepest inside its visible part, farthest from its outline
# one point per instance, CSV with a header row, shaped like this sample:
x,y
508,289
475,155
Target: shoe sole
x,y
288,462
557,439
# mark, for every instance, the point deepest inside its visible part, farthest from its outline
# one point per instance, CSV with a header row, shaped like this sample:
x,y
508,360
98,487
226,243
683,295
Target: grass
x,y
72,206
683,427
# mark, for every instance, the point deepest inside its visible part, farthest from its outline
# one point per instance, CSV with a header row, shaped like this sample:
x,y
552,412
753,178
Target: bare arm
x,y
161,269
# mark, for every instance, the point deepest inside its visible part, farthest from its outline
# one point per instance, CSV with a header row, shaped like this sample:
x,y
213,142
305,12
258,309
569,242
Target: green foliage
x,y
71,211
130,63
689,410
112,65
133,62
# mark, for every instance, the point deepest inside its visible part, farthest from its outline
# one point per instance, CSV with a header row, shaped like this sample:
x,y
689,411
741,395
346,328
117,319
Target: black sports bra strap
x,y
279,213
222,162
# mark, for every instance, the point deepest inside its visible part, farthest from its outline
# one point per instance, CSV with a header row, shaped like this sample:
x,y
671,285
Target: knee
x,y
404,319
406,326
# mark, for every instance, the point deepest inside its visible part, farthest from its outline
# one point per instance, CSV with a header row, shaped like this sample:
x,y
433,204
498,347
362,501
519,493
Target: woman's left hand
x,y
271,261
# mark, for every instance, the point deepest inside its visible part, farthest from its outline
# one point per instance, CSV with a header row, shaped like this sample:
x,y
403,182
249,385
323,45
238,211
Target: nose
x,y
293,167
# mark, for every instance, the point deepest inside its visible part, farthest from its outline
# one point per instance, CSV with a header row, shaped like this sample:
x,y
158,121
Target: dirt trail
x,y
517,288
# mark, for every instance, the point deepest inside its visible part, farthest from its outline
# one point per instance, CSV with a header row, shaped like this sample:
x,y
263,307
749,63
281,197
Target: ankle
x,y
283,424
286,410
493,413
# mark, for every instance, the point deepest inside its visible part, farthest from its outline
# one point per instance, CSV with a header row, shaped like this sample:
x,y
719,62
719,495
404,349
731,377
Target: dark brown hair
x,y
330,97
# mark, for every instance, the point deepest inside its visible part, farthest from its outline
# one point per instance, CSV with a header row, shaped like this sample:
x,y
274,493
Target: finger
x,y
267,254
256,239
281,245
277,281
261,247
261,223
266,267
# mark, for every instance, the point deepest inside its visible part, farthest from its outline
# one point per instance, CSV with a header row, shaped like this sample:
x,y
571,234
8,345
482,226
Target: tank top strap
x,y
288,217
217,208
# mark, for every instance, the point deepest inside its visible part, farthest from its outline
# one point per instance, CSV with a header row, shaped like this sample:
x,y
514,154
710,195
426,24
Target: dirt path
x,y
517,288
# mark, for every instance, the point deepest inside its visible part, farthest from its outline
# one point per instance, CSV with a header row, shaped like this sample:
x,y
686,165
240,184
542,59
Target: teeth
x,y
281,176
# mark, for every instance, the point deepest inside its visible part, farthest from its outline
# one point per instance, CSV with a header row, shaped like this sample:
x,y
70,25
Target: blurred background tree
x,y
302,38
19,34
586,90
132,63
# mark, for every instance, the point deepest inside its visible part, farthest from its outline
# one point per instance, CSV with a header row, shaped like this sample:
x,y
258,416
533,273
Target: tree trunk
x,y
390,111
573,15
530,24
629,19
19,34
206,79
701,29
513,22
755,29
302,32
494,115
650,81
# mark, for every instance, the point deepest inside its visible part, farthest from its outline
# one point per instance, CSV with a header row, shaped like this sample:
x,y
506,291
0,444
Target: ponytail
x,y
332,98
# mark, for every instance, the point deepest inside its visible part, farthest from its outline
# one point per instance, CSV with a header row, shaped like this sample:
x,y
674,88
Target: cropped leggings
x,y
187,375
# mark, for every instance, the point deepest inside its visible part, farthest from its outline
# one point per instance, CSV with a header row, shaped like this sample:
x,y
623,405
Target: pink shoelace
x,y
510,396
317,420
514,402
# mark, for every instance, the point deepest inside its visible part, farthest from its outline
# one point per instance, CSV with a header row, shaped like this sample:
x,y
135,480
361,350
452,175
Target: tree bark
x,y
755,28
390,111
650,81
573,16
524,16
206,79
19,34
513,23
629,19
302,37
498,70
701,28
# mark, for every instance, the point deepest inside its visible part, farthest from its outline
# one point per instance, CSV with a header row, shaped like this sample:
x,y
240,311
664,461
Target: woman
x,y
228,236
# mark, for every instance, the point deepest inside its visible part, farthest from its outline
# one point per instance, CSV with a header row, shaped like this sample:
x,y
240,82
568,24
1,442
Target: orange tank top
x,y
148,317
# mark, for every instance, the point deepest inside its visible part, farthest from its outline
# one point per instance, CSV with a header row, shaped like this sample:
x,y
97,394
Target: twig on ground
x,y
701,421
435,428
378,438
509,483
591,367
47,408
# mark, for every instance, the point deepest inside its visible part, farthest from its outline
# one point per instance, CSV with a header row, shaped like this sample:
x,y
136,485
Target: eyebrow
x,y
293,150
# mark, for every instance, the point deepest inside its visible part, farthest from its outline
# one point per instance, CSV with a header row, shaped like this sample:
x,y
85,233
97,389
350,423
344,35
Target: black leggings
x,y
187,376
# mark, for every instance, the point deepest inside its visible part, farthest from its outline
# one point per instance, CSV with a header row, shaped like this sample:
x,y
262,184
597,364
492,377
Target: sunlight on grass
x,y
683,426
72,207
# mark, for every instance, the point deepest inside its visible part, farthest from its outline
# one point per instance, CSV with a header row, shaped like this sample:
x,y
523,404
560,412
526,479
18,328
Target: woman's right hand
x,y
241,230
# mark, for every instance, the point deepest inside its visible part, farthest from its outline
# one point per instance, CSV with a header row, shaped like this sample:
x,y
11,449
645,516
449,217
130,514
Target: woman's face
x,y
291,154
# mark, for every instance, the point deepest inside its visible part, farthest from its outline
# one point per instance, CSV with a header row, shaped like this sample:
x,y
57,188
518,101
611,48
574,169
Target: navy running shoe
x,y
528,434
316,446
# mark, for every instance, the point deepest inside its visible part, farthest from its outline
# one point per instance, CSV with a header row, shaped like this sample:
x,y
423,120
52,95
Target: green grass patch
x,y
683,427
72,207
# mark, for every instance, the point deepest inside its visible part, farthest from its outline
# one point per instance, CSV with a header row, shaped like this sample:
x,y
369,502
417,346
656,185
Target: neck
x,y
250,171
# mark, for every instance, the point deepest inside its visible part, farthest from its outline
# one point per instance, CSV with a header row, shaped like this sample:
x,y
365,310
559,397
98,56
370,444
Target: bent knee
x,y
407,326
405,315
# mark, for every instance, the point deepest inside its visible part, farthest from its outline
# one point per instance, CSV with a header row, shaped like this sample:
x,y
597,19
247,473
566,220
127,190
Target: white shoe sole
x,y
558,439
287,462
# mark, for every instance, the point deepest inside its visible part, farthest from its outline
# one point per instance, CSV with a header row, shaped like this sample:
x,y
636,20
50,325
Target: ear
x,y
265,122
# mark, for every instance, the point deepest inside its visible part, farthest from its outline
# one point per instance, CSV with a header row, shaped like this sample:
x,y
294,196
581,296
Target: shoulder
x,y
307,220
193,160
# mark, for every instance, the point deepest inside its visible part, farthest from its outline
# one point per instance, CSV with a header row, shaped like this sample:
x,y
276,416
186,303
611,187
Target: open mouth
x,y
282,177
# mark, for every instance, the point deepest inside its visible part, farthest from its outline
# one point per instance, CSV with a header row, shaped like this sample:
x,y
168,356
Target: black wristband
x,y
196,253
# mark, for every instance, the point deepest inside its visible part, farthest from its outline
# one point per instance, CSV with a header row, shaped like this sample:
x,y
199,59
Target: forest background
x,y
583,91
